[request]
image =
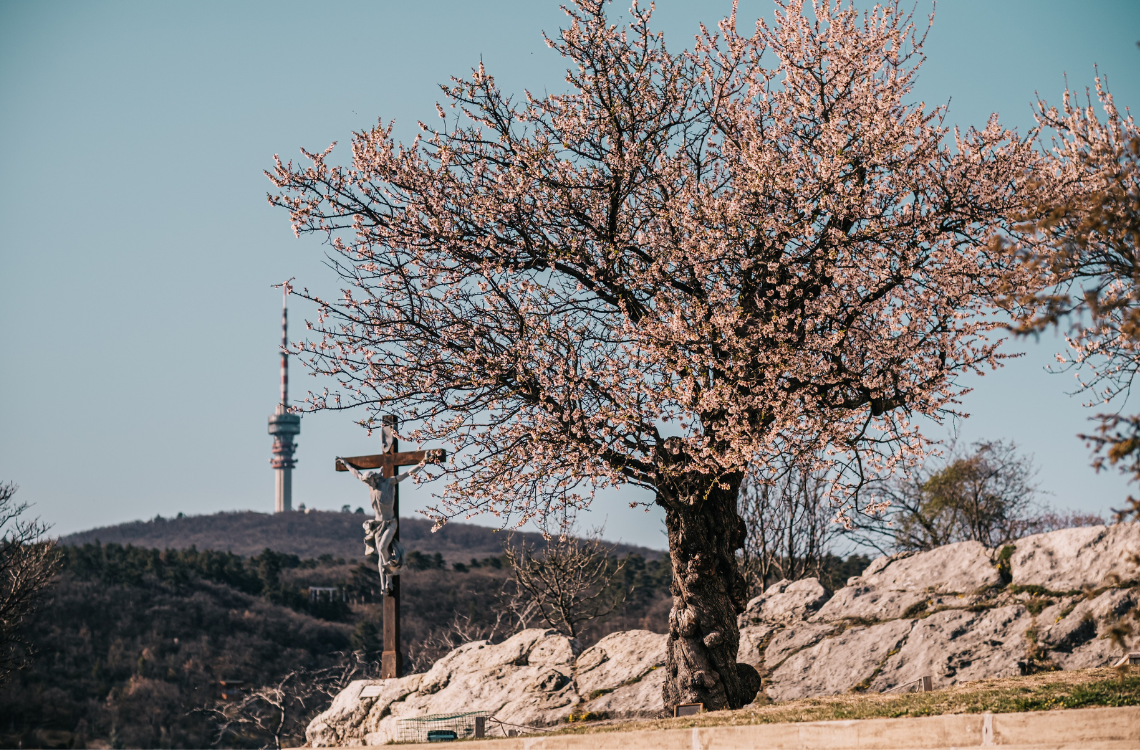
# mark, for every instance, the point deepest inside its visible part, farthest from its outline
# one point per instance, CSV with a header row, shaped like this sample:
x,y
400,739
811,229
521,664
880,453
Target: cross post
x,y
392,659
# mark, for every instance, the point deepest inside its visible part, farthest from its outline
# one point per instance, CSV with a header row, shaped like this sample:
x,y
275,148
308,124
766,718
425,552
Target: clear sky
x,y
138,326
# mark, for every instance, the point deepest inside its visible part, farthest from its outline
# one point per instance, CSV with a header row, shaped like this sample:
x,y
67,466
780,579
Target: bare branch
x,y
28,564
569,581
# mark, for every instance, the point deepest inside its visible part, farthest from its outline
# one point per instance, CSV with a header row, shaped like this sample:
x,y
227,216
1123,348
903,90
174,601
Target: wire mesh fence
x,y
438,727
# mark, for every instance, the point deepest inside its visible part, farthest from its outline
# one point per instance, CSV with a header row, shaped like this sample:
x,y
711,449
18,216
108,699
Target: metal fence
x,y
438,727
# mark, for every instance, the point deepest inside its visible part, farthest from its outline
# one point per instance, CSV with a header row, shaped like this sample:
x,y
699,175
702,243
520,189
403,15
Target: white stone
x,y
554,650
869,603
1070,559
640,699
786,601
348,718
522,695
959,646
537,677
793,640
960,568
617,659
1099,652
837,664
1089,619
891,586
752,637
549,647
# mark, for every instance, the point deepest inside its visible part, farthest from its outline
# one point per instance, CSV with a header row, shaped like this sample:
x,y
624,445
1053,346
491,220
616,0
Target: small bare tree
x,y
28,562
791,525
568,582
281,710
422,654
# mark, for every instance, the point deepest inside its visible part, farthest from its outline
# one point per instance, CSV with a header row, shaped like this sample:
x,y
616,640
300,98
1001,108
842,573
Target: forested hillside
x,y
308,535
135,643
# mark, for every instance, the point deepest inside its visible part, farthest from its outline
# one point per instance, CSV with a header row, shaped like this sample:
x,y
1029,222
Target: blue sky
x,y
138,326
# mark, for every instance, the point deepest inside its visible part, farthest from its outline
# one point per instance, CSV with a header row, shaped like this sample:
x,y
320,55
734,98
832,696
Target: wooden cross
x,y
392,660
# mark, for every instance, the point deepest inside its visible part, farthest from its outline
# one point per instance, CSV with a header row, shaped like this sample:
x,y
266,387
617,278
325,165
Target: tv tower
x,y
283,426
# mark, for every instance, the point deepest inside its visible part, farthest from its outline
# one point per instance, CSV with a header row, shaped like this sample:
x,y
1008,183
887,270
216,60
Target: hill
x,y
134,643
307,535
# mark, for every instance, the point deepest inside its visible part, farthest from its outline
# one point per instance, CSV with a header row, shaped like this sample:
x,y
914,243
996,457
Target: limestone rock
x,y
1088,619
752,637
796,639
549,647
349,717
878,564
521,695
891,586
870,603
553,650
501,680
837,664
959,568
642,699
1069,559
958,646
786,601
1099,652
617,659
1050,633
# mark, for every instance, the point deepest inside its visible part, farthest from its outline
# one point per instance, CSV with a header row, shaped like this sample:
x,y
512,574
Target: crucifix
x,y
382,534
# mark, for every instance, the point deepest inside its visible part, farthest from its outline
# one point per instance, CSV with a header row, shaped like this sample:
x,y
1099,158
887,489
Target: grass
x,y
1042,692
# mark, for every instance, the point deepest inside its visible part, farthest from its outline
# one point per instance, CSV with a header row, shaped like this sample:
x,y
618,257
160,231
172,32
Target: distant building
x,y
283,426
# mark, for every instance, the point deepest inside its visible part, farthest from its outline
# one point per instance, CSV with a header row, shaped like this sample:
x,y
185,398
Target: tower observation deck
x,y
283,426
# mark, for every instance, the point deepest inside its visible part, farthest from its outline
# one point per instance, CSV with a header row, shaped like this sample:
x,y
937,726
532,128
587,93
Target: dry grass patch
x,y
1040,692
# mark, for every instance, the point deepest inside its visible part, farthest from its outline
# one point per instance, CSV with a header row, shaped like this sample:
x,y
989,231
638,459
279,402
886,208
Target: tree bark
x,y
705,531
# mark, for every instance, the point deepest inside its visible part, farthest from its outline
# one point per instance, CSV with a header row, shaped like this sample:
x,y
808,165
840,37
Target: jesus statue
x,y
380,532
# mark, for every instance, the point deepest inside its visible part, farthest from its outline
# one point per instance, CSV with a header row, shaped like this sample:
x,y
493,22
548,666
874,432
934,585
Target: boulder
x,y
493,689
753,639
870,604
960,568
618,659
959,646
786,601
891,587
549,649
794,640
641,699
1070,559
1099,652
837,664
527,696
501,680
1082,621
350,717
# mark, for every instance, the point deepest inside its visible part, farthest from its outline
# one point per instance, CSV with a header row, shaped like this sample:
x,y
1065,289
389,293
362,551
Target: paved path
x,y
1074,729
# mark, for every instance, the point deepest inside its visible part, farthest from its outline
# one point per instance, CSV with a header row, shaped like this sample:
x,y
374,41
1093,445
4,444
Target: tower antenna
x,y
283,425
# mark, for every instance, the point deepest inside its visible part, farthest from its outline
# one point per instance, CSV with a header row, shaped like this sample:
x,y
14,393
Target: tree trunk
x,y
705,530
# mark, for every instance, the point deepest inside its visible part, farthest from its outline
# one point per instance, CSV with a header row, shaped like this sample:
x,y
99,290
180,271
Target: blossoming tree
x,y
685,264
1079,251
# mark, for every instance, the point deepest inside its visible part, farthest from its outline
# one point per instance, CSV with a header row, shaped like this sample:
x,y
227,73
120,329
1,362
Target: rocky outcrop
x,y
838,663
535,678
956,613
958,645
1073,558
787,601
891,587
